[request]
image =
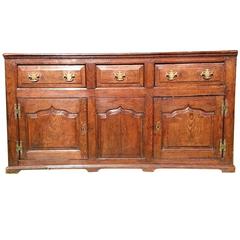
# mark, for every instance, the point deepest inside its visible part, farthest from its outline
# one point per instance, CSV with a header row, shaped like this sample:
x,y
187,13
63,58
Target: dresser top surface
x,y
126,55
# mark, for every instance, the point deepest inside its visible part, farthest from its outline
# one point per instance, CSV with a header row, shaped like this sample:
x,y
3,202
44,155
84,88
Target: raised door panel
x,y
120,127
188,127
53,129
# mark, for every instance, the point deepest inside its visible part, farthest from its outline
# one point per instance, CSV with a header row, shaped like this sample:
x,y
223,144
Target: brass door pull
x,y
119,76
69,77
157,126
171,75
207,74
34,77
83,128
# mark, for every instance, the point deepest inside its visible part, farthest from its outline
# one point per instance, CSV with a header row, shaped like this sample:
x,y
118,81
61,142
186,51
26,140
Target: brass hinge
x,y
224,108
19,147
222,147
17,110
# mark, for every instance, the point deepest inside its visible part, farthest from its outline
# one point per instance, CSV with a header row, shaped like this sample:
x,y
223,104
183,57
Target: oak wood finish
x,y
189,72
51,76
53,128
125,118
197,120
137,110
119,75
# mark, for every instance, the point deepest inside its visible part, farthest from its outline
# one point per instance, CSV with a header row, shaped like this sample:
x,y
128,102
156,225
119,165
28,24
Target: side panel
x,y
12,123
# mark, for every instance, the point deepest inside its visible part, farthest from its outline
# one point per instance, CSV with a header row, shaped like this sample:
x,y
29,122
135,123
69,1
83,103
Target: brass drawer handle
x,y
207,74
34,77
171,75
69,77
119,76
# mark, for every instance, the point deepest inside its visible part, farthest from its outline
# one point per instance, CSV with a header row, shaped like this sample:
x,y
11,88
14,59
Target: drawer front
x,y
51,76
195,72
119,75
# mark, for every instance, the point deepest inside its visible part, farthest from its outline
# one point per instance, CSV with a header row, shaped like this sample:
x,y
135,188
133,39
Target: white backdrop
x,y
118,204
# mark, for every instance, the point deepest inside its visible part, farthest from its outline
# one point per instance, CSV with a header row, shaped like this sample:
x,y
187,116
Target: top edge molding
x,y
117,55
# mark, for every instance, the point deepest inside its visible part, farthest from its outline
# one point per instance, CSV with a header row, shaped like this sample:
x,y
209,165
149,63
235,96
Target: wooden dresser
x,y
140,110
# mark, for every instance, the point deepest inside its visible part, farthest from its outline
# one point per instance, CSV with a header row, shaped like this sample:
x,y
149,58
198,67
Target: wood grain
x,y
53,128
190,127
133,75
51,76
190,72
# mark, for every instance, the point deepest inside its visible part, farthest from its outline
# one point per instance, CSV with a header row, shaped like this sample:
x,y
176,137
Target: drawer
x,y
119,75
51,76
194,72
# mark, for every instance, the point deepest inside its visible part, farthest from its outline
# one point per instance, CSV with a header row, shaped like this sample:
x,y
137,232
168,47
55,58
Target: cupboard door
x,y
120,127
53,129
188,127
